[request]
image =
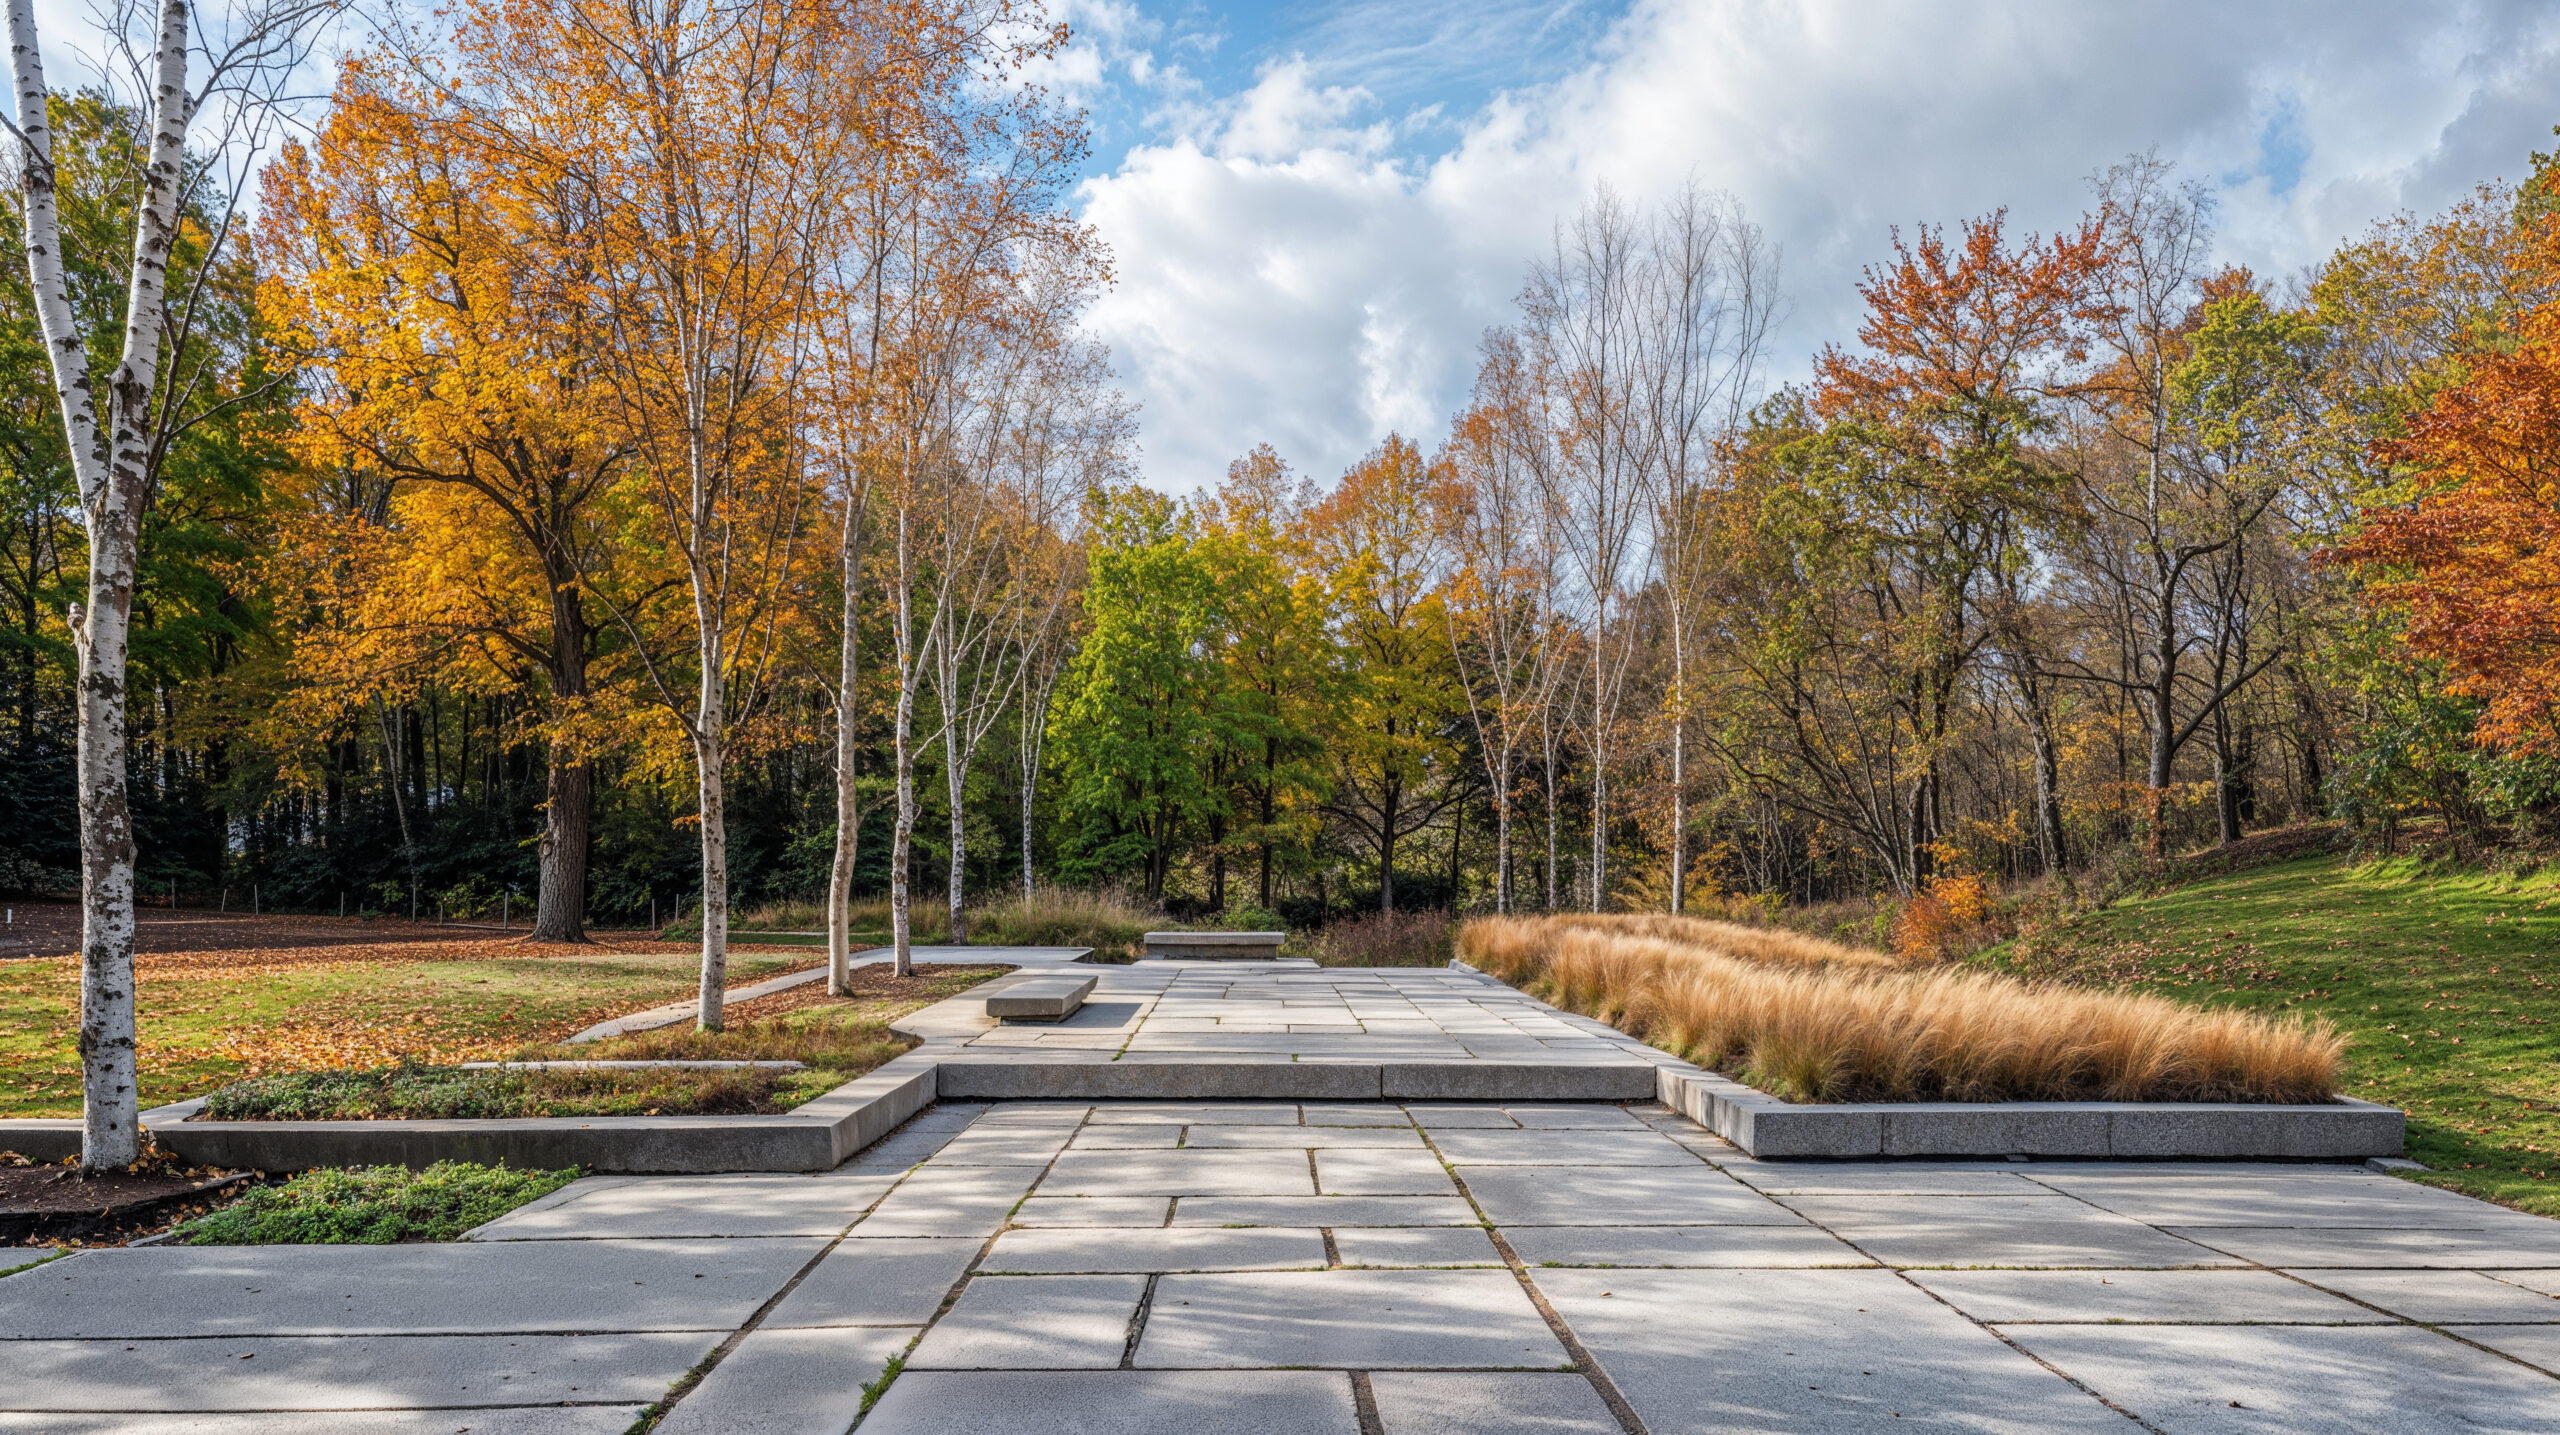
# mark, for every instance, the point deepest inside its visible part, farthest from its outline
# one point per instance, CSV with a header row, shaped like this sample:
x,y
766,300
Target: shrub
x,y
373,1206
1387,939
412,1092
1864,1031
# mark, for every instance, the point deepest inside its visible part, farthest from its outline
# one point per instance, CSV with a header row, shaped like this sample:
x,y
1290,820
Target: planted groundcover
x,y
377,1205
834,1038
1809,1020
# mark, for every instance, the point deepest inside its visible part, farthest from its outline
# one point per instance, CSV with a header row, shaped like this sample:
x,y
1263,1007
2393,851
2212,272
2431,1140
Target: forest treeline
x,y
613,501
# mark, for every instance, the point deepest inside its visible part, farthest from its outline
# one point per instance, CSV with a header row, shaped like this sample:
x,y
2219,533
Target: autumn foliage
x,y
2474,557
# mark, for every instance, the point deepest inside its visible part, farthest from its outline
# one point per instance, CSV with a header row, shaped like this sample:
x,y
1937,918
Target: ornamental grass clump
x,y
1874,1030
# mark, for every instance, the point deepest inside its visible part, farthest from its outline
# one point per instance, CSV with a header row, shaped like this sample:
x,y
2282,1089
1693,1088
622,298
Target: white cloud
x,y
1285,274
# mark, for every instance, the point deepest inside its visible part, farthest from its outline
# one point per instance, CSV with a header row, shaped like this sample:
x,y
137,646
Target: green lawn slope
x,y
2447,982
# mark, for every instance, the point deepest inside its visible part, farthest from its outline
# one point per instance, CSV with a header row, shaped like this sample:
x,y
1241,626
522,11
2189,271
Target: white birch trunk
x,y
848,804
710,759
111,462
903,832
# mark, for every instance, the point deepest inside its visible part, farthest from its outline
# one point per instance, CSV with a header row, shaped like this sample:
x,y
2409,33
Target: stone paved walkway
x,y
1071,1269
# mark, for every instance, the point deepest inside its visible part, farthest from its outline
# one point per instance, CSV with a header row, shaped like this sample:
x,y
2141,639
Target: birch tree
x,y
118,426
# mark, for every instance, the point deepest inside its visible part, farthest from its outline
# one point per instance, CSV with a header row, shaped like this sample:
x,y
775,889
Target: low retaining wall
x,y
2157,1130
1226,1078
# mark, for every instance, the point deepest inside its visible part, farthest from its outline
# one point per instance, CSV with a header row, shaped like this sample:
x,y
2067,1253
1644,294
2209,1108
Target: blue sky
x,y
1317,209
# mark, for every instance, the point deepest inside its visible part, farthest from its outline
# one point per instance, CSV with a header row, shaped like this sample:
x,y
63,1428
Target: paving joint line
x,y
1583,1360
702,1369
1364,1403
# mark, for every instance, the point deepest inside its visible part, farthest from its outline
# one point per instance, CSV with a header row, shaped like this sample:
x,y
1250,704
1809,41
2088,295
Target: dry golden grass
x,y
1868,1030
1775,945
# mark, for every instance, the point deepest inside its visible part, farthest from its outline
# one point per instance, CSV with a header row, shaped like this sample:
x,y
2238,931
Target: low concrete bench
x,y
1215,946
1040,999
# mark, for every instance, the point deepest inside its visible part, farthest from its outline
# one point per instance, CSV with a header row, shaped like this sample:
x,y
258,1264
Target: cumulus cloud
x,y
1295,264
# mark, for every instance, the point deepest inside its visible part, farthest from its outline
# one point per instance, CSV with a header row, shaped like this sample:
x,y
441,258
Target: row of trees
x,y
633,448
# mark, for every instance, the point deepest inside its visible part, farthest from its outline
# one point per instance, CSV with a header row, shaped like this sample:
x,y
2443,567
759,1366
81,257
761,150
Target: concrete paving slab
x,y
2441,1297
1196,1113
1461,1117
498,1288
1564,1116
1126,1137
1035,1113
1808,1350
1574,1147
1304,1138
1179,1173
1035,1323
1060,1250
1355,1320
1093,1211
2547,1282
1354,1113
1894,1178
898,1150
2212,1296
787,1382
885,1281
1335,1211
1390,1246
1005,1146
1997,1231
535,1420
1414,1402
1382,1173
704,1206
2299,1378
1118,1402
949,1201
945,1116
1644,1196
2334,1199
345,1372
1688,1246
2535,1345
2357,1246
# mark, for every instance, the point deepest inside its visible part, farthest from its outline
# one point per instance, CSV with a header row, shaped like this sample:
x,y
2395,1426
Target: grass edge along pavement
x,y
2443,979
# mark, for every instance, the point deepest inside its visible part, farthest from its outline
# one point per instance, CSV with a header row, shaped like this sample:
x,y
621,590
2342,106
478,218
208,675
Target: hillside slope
x,y
2447,984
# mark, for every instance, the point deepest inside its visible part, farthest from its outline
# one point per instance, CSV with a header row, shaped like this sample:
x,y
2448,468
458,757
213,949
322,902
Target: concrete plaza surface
x,y
1079,1268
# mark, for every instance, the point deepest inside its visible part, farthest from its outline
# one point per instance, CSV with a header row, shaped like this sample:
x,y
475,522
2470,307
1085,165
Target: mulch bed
x,y
864,983
51,1205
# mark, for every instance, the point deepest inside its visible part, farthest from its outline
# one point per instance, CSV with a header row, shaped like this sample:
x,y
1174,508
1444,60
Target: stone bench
x,y
1040,999
1215,946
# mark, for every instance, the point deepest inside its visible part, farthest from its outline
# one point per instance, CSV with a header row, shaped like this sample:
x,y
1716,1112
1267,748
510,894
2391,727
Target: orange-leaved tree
x,y
437,294
2473,556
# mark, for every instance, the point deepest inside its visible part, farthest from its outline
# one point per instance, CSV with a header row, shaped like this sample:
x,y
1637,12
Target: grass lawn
x,y
209,1018
2448,985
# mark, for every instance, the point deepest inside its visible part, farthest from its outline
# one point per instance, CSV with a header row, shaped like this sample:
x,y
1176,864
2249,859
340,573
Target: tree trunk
x,y
955,780
560,898
708,759
110,1132
902,838
848,802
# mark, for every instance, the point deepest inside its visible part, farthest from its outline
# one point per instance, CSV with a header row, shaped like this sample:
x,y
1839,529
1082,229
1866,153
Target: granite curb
x,y
1767,1127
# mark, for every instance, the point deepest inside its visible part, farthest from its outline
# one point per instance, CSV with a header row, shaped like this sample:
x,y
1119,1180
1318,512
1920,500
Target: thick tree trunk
x,y
560,900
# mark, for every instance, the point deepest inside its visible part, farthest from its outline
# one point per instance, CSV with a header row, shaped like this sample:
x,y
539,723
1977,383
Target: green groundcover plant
x,y
373,1206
